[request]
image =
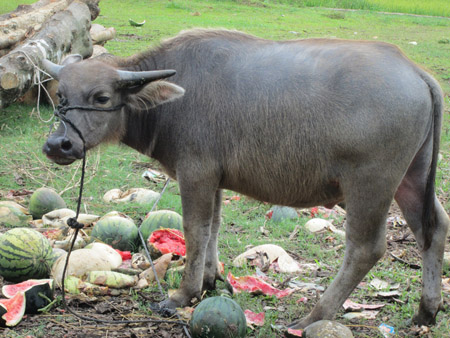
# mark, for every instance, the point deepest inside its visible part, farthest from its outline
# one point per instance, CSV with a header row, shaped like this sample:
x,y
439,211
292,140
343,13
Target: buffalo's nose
x,y
58,146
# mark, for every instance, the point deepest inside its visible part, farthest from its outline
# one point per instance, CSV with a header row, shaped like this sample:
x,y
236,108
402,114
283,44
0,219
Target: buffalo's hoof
x,y
210,283
427,318
166,308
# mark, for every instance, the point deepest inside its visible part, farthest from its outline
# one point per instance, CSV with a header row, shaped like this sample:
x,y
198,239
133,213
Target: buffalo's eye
x,y
102,99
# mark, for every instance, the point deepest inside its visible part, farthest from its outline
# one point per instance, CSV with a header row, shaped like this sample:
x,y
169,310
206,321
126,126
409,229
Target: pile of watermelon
x,y
29,254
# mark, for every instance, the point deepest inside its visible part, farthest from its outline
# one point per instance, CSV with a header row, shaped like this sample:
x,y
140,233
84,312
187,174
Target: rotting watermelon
x,y
44,200
12,217
218,317
119,232
38,293
165,241
161,219
12,310
24,254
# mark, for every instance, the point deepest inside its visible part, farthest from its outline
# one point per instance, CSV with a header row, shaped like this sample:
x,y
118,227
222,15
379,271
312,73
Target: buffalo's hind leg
x,y
410,198
365,245
212,272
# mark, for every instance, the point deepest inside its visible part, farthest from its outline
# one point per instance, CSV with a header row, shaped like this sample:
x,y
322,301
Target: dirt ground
x,y
60,323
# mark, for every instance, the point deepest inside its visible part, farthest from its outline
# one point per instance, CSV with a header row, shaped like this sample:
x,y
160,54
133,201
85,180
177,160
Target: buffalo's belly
x,y
290,190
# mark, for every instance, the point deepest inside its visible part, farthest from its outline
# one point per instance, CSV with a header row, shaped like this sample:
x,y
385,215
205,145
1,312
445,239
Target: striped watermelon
x,y
119,232
24,254
161,219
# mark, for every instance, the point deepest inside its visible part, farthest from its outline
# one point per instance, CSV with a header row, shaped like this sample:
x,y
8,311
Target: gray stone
x,y
327,329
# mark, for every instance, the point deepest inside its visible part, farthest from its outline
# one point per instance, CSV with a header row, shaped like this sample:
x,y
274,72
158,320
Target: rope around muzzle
x,y
73,223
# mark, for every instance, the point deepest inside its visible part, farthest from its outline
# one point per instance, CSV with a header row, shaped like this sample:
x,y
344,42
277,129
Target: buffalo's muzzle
x,y
60,150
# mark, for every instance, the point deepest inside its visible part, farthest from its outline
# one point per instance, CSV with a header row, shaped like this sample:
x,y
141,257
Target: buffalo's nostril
x,y
66,145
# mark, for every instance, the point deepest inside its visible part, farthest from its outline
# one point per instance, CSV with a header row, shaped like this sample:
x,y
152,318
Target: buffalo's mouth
x,y
61,160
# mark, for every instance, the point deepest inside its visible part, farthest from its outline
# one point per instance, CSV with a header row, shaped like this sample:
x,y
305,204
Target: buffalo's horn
x,y
130,79
52,68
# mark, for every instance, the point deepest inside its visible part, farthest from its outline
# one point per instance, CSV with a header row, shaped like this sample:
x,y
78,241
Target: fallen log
x,y
66,32
23,9
18,28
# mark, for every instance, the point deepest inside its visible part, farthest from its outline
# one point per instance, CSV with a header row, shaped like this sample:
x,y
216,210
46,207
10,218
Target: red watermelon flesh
x,y
168,241
33,289
12,309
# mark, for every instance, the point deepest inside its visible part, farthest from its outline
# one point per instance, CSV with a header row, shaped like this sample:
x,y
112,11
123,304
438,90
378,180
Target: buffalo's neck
x,y
148,60
140,131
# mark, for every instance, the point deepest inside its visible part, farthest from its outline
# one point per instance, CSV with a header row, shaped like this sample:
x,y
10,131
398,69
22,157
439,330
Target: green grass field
x,y
22,134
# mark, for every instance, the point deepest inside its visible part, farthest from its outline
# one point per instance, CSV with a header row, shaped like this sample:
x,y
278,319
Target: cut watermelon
x,y
38,292
165,241
12,310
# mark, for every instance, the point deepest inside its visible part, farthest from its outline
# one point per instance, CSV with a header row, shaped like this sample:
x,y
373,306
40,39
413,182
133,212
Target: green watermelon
x,y
43,201
24,254
161,219
218,317
119,232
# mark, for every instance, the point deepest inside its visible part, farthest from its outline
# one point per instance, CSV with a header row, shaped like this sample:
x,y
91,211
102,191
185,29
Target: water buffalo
x,y
298,123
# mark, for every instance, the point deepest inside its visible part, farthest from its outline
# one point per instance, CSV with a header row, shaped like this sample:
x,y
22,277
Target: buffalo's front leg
x,y
212,272
198,204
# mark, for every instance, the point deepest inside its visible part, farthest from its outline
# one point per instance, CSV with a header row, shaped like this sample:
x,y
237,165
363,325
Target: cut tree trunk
x,y
66,32
19,27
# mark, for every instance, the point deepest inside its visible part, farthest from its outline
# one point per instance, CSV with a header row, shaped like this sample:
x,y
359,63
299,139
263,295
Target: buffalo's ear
x,y
153,94
72,58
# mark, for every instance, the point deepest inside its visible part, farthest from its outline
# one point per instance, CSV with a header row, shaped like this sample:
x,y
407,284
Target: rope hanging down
x,y
60,112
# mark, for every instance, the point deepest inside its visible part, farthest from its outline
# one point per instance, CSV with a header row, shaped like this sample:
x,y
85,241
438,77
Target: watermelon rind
x,y
24,254
218,317
44,200
12,309
33,290
160,219
119,232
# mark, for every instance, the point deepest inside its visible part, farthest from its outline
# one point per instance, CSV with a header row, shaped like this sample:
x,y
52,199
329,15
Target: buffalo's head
x,y
94,97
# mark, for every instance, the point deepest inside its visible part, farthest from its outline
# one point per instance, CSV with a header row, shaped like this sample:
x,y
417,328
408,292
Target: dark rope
x,y
60,112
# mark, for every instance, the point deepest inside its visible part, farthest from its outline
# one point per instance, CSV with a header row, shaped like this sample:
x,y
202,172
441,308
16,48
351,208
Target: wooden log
x,y
17,28
99,37
66,32
23,9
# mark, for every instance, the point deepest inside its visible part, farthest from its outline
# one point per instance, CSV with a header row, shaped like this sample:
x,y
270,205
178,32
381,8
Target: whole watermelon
x,y
24,254
119,232
161,219
218,317
43,201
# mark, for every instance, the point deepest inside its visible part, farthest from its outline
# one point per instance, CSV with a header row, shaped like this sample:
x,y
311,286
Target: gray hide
x,y
297,123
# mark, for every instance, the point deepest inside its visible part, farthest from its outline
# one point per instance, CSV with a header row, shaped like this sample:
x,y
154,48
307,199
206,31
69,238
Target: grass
x,y
22,133
431,7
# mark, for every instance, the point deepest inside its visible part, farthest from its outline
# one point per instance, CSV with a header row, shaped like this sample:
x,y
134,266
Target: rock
x,y
281,213
327,329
